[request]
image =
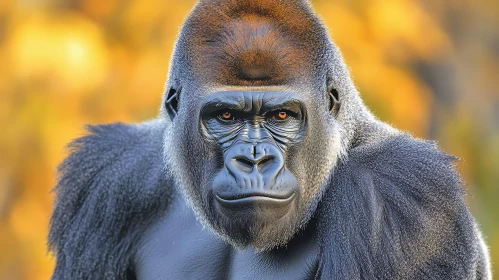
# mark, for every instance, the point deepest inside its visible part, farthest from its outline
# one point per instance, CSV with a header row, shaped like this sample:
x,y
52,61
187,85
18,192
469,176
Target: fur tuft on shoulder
x,y
111,187
395,210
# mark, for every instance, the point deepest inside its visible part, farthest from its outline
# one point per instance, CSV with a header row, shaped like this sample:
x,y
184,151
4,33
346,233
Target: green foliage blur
x,y
428,67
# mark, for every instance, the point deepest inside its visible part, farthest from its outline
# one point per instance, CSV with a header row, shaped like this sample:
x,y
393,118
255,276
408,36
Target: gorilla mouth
x,y
271,206
262,195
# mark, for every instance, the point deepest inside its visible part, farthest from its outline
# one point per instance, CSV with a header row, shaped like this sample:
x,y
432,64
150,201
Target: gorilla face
x,y
253,193
253,165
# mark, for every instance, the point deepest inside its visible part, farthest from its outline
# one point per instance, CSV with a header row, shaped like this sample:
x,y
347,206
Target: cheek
x,y
313,159
190,156
204,158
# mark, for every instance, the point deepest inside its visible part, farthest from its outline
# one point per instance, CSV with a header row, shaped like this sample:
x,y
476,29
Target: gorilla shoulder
x,y
110,187
401,201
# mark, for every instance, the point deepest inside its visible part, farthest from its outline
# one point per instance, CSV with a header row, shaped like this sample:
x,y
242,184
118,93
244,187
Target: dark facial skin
x,y
253,188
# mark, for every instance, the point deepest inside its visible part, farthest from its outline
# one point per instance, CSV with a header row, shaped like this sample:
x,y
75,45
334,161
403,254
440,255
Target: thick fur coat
x,y
393,209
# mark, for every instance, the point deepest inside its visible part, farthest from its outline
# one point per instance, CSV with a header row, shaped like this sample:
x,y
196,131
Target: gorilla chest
x,y
177,247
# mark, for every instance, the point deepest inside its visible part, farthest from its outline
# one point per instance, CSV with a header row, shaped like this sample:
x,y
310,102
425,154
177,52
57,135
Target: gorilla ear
x,y
171,103
334,101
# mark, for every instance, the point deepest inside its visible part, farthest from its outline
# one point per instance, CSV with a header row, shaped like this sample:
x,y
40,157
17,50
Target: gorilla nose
x,y
248,164
256,166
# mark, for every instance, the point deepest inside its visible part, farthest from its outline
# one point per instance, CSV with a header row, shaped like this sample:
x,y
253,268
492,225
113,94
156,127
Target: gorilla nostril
x,y
264,162
245,163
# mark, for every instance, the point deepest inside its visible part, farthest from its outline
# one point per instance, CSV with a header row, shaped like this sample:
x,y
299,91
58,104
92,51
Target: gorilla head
x,y
256,124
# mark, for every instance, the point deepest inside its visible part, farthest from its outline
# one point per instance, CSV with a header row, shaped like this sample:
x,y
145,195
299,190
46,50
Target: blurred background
x,y
428,67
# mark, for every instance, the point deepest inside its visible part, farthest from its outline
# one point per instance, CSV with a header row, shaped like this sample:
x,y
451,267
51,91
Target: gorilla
x,y
264,163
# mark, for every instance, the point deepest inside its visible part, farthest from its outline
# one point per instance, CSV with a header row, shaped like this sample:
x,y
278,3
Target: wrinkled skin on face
x,y
254,188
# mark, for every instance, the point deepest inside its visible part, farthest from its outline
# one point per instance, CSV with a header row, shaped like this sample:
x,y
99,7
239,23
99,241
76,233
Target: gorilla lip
x,y
271,206
262,195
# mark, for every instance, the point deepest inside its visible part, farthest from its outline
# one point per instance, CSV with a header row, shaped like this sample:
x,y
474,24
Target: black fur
x,y
111,188
393,209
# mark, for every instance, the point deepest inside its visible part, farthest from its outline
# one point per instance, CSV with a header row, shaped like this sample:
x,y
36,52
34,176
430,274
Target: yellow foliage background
x,y
429,67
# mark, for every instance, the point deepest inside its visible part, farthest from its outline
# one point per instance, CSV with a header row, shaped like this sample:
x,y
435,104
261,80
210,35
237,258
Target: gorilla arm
x,y
111,187
394,210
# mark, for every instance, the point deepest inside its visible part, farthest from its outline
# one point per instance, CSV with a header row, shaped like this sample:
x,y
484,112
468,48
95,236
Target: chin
x,y
260,223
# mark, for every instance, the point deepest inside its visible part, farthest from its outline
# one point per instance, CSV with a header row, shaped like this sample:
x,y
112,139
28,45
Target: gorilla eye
x,y
279,115
226,116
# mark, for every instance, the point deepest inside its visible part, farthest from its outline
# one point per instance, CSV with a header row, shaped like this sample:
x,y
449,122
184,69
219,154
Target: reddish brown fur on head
x,y
250,42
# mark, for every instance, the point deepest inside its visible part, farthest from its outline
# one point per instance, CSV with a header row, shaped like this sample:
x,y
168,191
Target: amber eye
x,y
283,115
226,116
280,115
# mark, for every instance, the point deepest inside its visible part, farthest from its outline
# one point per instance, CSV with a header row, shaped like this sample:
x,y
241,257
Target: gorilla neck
x,y
178,246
